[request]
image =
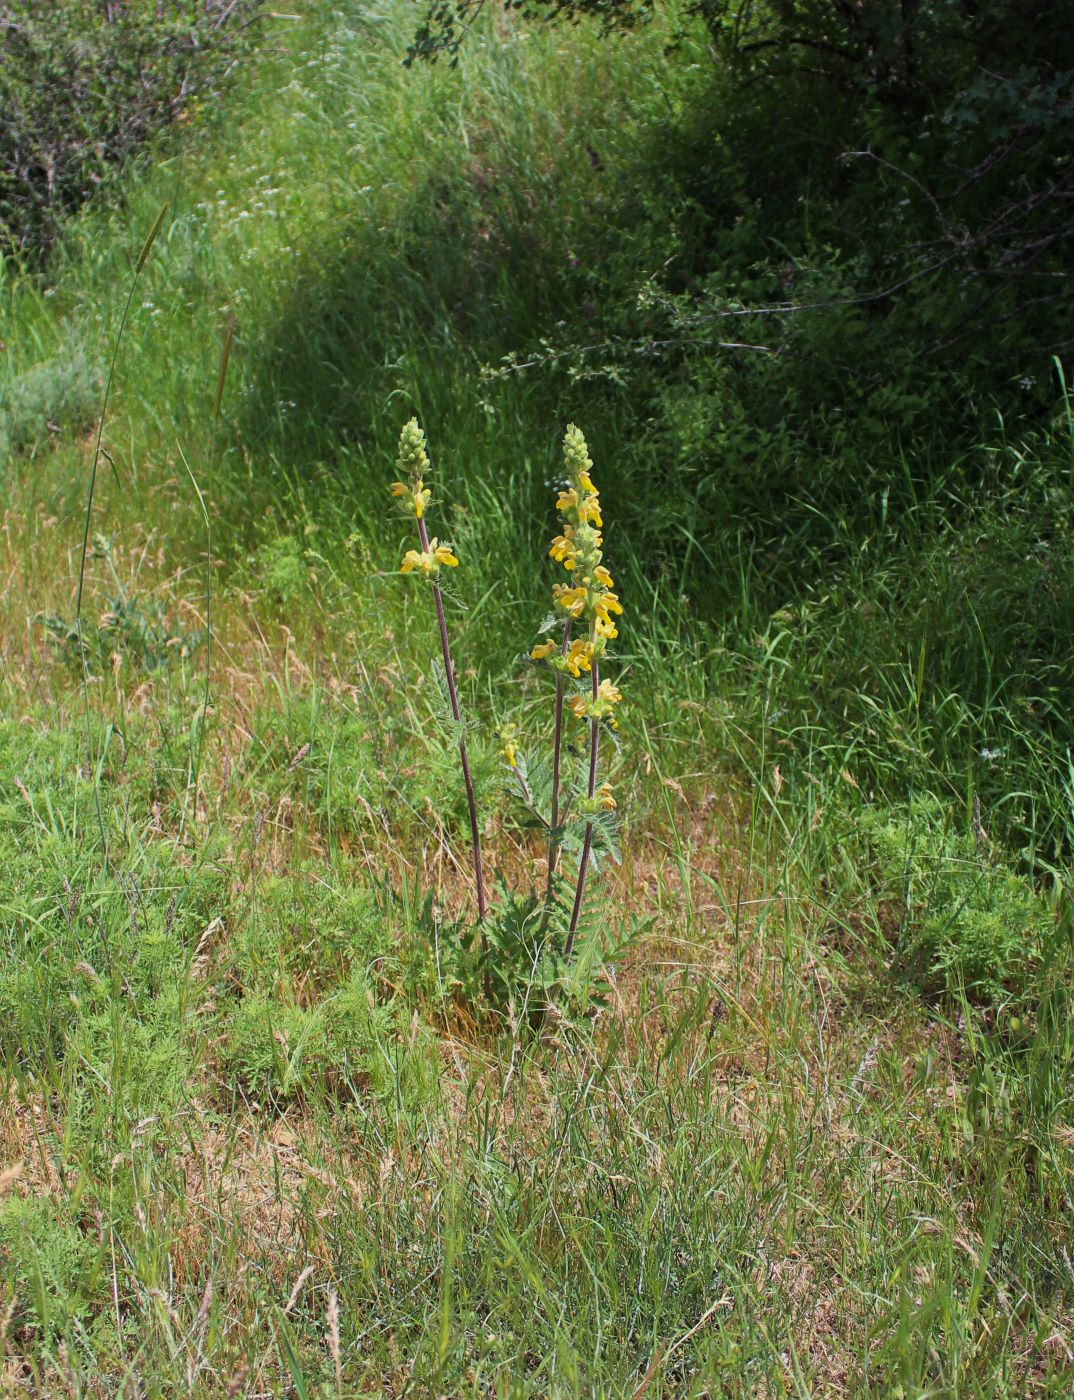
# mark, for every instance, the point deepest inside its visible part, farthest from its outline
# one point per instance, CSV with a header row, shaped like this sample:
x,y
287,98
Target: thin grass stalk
x,y
583,865
453,696
98,453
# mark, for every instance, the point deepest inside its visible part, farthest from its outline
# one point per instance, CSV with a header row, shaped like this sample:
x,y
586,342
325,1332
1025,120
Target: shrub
x,y
963,916
58,395
84,83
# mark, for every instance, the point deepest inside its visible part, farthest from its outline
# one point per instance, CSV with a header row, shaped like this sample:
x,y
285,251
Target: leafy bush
x,y
58,395
49,1262
84,83
279,567
963,917
956,120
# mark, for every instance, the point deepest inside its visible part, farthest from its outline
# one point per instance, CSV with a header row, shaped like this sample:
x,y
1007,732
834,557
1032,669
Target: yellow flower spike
x,y
542,651
428,559
607,797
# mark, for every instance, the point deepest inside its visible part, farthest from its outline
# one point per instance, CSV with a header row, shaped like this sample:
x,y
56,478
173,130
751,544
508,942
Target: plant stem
x,y
557,754
583,865
453,696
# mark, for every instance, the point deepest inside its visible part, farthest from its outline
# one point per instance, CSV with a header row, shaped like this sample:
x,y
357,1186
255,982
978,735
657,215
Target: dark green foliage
x,y
86,83
850,231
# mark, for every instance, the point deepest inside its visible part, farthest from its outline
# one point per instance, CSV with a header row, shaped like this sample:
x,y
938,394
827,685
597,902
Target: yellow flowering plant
x,y
584,620
589,605
428,560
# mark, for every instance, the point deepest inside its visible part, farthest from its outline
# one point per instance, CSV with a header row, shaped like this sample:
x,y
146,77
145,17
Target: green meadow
x,y
798,1118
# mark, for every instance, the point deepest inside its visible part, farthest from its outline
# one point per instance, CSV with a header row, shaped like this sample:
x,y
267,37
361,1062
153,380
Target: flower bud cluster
x,y
603,800
411,462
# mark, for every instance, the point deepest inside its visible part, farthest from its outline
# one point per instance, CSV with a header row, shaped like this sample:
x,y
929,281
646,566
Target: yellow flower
x,y
571,600
603,577
428,561
578,706
509,750
607,629
567,501
542,651
606,797
416,497
589,510
606,604
586,483
443,555
609,692
412,559
579,657
563,549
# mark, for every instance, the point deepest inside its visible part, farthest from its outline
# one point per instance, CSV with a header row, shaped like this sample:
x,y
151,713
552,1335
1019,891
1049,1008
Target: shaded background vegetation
x,y
84,84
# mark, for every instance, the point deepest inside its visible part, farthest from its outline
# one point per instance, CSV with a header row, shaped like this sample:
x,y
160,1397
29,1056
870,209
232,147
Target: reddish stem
x,y
588,845
453,696
557,754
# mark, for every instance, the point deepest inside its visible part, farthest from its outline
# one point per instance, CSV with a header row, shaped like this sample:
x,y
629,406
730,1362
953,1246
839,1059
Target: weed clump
x,y
135,627
964,918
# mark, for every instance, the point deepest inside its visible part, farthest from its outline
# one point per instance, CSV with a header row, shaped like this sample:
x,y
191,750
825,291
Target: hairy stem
x,y
583,864
453,696
557,756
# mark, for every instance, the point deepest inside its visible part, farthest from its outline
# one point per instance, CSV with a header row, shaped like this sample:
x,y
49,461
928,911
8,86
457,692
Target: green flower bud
x,y
412,459
575,453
